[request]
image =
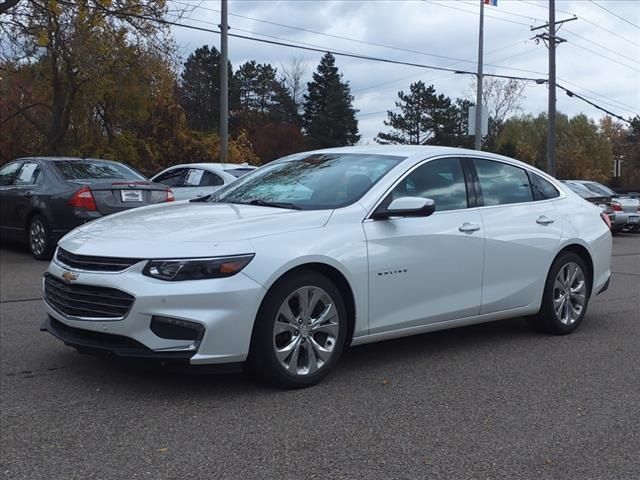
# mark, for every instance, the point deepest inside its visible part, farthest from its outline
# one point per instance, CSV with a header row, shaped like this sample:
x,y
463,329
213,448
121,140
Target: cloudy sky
x,y
600,60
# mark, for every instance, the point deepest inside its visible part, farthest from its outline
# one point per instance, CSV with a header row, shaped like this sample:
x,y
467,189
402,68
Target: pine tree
x,y
329,116
199,89
426,118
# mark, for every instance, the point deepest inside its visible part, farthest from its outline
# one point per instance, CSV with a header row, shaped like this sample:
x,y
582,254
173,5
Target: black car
x,y
43,198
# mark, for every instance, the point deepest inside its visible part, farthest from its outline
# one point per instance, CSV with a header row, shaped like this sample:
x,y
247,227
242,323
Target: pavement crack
x,y
18,300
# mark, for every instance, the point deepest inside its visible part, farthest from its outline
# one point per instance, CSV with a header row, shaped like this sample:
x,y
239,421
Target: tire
x,y
569,316
284,334
38,236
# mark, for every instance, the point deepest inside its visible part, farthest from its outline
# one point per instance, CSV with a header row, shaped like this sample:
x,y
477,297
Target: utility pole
x,y
224,83
552,40
478,130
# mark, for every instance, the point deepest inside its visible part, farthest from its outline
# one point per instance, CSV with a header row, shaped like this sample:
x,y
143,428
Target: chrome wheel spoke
x,y
569,293
322,353
304,339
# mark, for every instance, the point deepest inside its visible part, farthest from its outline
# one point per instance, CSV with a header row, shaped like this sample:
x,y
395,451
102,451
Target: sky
x,y
600,59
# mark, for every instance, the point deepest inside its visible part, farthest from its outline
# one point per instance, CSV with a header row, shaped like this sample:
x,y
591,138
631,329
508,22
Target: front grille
x,y
76,300
95,264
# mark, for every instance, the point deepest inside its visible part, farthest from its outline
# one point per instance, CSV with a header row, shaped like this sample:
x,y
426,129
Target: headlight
x,y
196,268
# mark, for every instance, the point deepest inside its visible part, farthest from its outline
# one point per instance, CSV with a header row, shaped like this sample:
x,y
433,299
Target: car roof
x,y
60,159
213,165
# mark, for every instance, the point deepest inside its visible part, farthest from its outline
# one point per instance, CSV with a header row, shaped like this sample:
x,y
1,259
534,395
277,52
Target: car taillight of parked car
x,y
170,196
617,206
605,218
83,198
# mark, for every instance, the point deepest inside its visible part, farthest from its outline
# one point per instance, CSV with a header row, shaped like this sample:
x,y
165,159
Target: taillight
x,y
170,196
617,206
83,198
605,218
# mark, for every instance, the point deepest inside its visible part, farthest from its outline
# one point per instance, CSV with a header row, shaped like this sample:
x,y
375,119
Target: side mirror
x,y
406,207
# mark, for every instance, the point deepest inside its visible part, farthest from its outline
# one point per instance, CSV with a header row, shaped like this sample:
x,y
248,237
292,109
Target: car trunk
x,y
116,196
629,205
603,202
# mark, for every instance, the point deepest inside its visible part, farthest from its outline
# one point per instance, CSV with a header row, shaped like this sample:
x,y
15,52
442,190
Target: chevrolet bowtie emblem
x,y
69,277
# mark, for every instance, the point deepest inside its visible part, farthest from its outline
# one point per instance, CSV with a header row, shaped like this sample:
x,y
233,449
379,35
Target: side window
x,y
8,174
210,179
30,174
194,175
172,178
441,180
502,184
542,189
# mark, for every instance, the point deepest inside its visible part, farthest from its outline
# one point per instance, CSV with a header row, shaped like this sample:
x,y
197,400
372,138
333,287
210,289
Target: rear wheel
x,y
300,331
40,244
566,296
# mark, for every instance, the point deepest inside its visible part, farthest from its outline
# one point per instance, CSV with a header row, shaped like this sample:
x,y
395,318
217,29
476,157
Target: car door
x,y
209,183
427,269
522,232
27,184
8,197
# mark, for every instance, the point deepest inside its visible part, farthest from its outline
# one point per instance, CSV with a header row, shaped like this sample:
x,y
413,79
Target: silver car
x,y
625,207
195,180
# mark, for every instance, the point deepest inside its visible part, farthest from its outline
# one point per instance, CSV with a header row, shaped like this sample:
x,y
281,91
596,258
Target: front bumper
x,y
226,307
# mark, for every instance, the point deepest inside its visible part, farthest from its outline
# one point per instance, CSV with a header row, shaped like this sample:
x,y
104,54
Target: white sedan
x,y
286,266
194,180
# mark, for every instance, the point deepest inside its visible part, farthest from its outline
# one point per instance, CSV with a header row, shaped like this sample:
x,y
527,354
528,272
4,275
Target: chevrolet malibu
x,y
284,268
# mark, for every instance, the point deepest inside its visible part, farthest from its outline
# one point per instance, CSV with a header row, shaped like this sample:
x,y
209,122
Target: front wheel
x,y
300,331
566,296
40,243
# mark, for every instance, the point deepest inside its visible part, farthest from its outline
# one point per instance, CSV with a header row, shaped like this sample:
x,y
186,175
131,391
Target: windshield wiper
x,y
265,203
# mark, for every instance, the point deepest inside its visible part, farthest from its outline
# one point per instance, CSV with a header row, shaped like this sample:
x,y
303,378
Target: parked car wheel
x,y
300,331
40,244
566,296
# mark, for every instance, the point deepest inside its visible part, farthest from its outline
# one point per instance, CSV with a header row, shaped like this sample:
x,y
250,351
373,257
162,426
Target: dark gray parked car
x,y
43,198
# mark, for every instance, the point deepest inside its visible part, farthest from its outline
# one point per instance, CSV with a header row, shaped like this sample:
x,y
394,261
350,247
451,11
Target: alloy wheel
x,y
569,293
37,237
306,331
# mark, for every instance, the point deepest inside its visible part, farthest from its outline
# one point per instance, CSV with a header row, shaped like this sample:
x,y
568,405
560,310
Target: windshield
x,y
600,189
581,190
239,172
95,170
310,181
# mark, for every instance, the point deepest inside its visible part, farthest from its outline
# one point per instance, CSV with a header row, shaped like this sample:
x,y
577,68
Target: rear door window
x,y
30,174
502,184
210,179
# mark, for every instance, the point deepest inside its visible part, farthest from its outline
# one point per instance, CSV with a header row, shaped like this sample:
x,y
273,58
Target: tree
x,y
426,118
502,97
292,80
329,116
582,151
61,52
199,89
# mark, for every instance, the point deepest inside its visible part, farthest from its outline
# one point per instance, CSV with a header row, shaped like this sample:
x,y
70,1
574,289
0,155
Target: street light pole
x,y
224,83
478,129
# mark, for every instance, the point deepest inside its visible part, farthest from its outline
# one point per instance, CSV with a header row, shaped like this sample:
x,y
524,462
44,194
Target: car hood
x,y
163,230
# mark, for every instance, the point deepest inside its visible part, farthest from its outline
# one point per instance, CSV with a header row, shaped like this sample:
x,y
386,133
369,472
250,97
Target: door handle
x,y
467,227
542,220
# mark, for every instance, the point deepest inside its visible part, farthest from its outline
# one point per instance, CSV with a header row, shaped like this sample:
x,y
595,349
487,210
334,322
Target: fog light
x,y
176,329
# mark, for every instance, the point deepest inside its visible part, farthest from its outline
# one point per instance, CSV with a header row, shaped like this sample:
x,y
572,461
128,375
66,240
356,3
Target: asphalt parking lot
x,y
485,402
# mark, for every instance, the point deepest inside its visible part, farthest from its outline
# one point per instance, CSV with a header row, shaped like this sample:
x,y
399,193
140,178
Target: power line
x,y
603,56
614,14
566,30
584,19
573,94
318,50
431,2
